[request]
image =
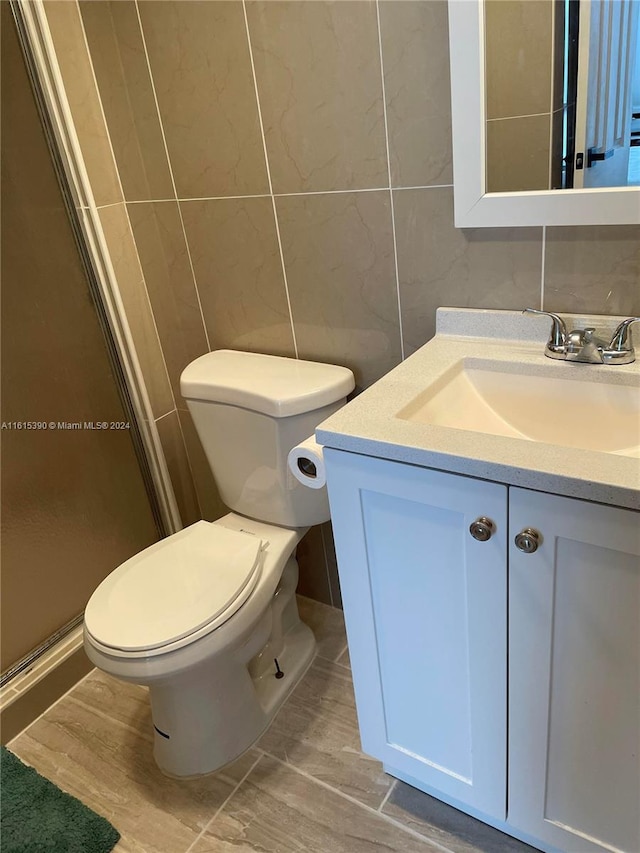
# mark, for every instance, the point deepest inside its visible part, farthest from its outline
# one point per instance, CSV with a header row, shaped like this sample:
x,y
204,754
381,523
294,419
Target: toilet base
x,y
210,715
297,657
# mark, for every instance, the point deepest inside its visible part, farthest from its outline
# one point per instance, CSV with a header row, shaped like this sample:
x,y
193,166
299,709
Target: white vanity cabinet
x,y
574,674
426,613
433,616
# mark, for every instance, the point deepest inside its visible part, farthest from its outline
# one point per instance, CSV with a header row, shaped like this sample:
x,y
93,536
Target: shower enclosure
x,y
83,483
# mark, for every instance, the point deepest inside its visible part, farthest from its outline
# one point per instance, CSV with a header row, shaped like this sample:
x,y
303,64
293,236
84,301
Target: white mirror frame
x,y
474,207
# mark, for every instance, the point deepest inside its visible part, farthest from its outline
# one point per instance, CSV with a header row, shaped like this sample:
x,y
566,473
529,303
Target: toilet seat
x,y
187,584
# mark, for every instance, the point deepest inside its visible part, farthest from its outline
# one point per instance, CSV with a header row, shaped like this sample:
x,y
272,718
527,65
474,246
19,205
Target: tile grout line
x,y
153,316
393,217
542,266
221,197
426,187
102,112
186,451
354,801
529,115
123,202
392,788
334,192
342,651
170,167
193,273
268,168
106,206
226,800
184,234
277,195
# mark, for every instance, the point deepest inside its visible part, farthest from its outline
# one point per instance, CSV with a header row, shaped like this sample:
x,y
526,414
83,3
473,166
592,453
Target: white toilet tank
x,y
250,410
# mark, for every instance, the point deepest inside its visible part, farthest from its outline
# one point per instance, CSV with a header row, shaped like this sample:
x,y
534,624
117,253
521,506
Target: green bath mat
x,y
37,817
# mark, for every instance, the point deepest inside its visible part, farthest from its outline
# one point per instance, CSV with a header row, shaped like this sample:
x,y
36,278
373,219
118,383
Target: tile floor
x,y
305,786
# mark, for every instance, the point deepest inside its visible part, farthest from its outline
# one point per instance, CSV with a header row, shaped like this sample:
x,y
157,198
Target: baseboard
x,y
28,695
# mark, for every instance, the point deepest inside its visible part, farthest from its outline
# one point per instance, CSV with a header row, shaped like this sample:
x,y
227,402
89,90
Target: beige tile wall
x,y
286,170
107,178
318,79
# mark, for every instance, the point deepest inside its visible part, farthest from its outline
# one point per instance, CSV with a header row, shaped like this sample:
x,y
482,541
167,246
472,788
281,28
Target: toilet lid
x,y
203,574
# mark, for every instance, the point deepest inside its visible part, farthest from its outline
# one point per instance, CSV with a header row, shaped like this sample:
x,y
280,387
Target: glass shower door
x,y
75,499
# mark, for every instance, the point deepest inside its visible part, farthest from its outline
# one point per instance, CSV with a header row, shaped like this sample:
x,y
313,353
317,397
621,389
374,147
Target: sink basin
x,y
534,403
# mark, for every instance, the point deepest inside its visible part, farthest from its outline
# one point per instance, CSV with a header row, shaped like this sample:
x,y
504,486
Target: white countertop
x,y
370,425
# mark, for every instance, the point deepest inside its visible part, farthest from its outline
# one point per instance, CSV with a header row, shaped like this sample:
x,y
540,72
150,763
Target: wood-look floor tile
x,y
109,766
327,624
277,810
317,732
126,703
447,826
312,791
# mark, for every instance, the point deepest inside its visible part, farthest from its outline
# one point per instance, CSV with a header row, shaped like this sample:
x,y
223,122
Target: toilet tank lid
x,y
275,386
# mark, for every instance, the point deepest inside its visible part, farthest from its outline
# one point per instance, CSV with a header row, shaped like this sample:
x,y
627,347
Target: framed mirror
x,y
527,150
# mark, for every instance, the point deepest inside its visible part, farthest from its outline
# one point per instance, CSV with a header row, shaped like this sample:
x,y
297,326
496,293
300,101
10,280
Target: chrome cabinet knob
x,y
528,540
482,528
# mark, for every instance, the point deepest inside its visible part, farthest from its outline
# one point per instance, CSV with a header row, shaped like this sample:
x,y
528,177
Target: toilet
x,y
207,618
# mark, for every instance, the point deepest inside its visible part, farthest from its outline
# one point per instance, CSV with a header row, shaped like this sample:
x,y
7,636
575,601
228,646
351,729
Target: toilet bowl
x,y
207,618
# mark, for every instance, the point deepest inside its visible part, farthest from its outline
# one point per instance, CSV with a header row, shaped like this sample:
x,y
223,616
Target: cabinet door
x,y
425,609
574,674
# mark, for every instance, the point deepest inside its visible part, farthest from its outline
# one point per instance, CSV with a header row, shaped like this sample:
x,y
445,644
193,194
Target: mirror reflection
x,y
562,94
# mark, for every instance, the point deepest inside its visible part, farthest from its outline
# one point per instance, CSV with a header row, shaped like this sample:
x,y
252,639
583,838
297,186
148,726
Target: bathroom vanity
x,y
485,509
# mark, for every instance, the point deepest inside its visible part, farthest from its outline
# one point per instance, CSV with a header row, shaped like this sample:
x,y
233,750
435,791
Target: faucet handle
x,y
621,339
558,335
620,349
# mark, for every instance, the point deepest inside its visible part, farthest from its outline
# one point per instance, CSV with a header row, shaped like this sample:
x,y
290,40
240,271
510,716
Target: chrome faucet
x,y
581,345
